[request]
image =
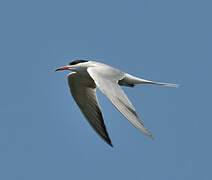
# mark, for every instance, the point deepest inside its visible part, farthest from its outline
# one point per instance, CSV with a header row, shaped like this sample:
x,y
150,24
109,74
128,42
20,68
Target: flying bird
x,y
86,76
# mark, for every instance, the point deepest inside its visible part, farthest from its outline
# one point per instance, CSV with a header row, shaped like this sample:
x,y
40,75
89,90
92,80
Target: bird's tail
x,y
161,84
129,79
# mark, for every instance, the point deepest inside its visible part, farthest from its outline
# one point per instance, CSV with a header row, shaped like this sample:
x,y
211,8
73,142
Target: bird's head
x,y
72,66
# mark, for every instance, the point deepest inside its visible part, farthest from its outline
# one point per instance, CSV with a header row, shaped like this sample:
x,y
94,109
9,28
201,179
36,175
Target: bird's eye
x,y
77,62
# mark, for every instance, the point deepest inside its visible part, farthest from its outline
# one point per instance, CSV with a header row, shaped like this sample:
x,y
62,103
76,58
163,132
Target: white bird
x,y
86,76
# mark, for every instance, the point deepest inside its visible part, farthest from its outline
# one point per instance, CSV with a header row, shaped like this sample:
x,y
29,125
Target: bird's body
x,y
89,75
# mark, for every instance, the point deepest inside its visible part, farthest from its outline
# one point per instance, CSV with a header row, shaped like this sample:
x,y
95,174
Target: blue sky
x,y
43,135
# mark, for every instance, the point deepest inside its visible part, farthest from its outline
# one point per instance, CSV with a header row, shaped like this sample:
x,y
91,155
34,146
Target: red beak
x,y
61,68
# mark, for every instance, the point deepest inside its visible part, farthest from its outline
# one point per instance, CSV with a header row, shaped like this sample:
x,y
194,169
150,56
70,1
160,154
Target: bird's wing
x,y
106,79
84,93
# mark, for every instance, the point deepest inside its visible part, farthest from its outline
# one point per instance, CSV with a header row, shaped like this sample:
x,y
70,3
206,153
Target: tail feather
x,y
163,84
131,80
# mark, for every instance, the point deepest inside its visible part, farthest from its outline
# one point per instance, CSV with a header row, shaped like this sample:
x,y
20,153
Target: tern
x,y
86,76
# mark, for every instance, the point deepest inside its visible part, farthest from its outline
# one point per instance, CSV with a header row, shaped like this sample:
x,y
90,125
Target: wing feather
x,y
83,91
107,81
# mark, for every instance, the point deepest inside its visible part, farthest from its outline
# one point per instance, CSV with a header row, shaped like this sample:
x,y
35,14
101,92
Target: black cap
x,y
77,62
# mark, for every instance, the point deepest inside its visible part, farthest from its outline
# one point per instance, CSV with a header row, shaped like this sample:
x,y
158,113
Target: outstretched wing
x,y
84,93
106,78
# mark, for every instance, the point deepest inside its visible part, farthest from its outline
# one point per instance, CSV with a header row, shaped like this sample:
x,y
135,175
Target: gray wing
x,y
84,93
106,79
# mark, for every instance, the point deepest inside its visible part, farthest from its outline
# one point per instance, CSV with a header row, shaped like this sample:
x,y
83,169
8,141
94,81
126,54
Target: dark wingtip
x,y
151,137
111,145
108,141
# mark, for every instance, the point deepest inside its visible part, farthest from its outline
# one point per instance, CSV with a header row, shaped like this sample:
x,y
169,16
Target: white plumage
x,y
89,75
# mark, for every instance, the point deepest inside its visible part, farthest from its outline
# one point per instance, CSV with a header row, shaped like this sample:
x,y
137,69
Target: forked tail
x,y
160,83
130,81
